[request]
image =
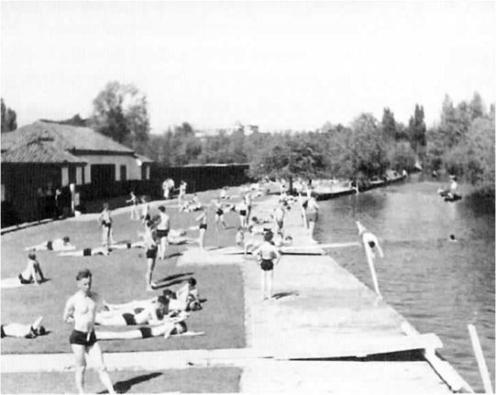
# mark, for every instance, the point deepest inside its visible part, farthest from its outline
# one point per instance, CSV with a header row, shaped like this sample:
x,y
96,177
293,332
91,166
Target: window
x,y
123,173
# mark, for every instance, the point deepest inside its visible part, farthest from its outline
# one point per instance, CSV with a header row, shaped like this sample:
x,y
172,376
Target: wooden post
x,y
481,362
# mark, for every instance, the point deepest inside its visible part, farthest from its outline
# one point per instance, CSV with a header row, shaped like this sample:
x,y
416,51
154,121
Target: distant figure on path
x,y
81,310
267,255
371,245
312,214
279,214
182,192
145,210
134,201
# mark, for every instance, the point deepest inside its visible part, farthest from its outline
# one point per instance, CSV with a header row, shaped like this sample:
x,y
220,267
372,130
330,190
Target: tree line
x,y
461,143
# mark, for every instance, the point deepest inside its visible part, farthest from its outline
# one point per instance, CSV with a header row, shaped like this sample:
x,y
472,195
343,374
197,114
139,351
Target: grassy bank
x,y
120,277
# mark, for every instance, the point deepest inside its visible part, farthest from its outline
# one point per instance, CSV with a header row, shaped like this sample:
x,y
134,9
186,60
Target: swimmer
x,y
63,244
219,214
23,331
80,309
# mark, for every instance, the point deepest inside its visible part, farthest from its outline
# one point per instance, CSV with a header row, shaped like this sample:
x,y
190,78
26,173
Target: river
x,y
440,286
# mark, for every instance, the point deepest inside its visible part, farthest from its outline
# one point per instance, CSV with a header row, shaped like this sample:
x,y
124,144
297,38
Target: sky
x,y
279,65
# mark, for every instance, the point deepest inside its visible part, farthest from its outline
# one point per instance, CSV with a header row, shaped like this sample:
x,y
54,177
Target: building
x,y
43,156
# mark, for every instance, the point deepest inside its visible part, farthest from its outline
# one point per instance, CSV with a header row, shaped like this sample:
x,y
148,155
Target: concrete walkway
x,y
321,311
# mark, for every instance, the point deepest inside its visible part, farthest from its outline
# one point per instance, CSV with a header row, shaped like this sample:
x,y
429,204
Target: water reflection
x,y
439,285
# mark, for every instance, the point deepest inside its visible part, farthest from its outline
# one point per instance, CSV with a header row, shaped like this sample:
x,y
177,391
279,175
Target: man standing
x,y
81,310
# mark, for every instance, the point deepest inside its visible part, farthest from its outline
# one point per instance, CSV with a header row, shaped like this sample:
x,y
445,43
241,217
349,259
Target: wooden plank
x,y
351,346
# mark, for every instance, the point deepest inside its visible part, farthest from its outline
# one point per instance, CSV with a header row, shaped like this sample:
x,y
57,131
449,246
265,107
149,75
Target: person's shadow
x,y
121,387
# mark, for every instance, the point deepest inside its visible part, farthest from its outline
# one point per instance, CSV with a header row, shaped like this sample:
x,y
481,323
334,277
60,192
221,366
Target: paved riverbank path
x,y
324,331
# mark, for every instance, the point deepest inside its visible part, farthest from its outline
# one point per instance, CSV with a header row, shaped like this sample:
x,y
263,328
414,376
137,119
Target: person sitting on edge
x,y
23,331
32,273
62,244
88,252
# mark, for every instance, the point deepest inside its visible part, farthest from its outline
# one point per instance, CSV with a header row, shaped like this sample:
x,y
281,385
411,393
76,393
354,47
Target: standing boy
x,y
81,310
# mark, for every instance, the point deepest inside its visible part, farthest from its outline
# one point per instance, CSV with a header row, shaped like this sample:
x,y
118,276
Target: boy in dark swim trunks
x,y
81,310
267,255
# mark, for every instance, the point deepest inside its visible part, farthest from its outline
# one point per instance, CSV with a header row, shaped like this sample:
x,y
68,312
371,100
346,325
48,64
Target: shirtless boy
x,y
63,244
81,310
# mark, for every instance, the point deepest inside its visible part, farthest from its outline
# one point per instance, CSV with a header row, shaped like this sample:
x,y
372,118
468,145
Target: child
x,y
134,201
105,221
267,255
202,227
32,273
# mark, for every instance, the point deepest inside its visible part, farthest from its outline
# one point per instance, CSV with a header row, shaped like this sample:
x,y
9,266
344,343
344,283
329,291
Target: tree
x,y
416,129
9,118
388,125
476,107
120,112
368,147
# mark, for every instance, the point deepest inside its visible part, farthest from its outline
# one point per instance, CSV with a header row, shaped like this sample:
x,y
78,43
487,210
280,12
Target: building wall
x,y
133,169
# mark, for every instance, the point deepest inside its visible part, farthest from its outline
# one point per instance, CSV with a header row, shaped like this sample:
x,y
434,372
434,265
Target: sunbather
x,y
32,273
87,252
63,244
22,330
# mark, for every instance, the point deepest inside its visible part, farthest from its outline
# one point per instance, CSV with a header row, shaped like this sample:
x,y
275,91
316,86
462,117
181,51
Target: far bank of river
x,y
438,285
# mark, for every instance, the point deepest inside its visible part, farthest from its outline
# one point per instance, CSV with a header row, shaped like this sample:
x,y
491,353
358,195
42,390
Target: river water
x,y
438,285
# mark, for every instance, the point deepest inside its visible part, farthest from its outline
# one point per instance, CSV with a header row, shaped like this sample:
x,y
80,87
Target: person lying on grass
x,y
175,237
150,313
62,244
23,331
165,329
87,252
185,298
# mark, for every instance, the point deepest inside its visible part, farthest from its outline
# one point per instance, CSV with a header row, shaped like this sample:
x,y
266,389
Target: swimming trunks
x,y
203,226
81,338
129,318
145,332
87,252
107,224
151,253
312,217
23,281
371,244
49,245
162,233
242,212
267,265
219,212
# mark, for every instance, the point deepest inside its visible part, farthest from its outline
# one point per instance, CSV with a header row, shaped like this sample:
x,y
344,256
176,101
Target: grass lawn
x,y
207,380
120,277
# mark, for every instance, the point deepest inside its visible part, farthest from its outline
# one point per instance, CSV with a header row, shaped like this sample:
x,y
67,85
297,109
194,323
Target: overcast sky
x,y
276,64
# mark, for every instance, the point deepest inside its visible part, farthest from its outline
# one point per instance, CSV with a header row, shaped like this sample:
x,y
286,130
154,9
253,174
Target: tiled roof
x,y
47,142
37,152
64,137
